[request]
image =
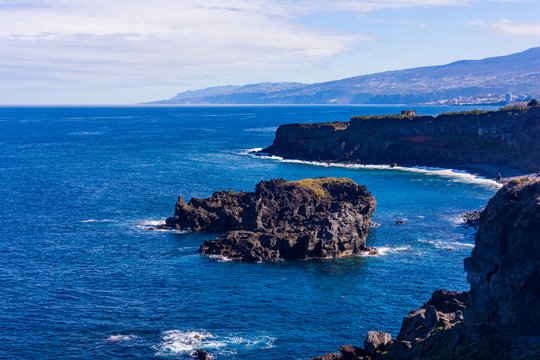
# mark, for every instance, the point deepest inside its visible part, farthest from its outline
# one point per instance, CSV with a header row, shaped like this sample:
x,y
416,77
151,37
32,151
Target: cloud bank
x,y
93,44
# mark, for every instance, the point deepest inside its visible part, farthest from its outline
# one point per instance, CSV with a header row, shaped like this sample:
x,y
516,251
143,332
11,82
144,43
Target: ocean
x,y
82,277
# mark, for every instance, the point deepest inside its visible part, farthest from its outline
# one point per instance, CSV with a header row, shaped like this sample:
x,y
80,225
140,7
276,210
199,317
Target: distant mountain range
x,y
517,73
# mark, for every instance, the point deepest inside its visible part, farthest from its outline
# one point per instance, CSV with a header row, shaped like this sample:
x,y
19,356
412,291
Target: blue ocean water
x,y
81,277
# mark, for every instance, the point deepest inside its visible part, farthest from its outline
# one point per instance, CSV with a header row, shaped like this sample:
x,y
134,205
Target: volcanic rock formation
x,y
487,142
305,219
504,267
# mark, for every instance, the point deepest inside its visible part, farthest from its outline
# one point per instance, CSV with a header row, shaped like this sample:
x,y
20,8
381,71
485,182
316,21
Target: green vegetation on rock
x,y
316,185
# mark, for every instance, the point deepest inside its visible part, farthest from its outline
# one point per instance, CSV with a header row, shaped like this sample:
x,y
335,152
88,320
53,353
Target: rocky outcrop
x,y
499,318
504,267
305,219
471,219
506,141
442,312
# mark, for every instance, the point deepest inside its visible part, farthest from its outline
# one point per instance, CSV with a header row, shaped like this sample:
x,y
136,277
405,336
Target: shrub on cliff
x,y
533,103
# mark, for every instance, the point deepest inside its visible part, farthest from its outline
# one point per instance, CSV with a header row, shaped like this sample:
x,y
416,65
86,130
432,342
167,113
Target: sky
x,y
125,52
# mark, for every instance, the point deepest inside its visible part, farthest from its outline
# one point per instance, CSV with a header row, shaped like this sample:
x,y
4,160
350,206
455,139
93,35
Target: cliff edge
x,y
304,219
485,142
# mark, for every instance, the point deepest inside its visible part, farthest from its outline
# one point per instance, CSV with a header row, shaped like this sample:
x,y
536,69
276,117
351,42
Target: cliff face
x,y
500,317
310,218
485,142
504,267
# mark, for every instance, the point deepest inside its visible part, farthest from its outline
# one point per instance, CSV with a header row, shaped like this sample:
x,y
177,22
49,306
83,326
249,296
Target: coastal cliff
x,y
305,219
499,317
486,142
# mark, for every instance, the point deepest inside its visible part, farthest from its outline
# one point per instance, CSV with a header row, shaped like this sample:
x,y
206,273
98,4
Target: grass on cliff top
x,y
480,112
316,185
389,116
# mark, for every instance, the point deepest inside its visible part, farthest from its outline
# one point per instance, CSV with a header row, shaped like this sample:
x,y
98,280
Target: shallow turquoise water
x,y
81,278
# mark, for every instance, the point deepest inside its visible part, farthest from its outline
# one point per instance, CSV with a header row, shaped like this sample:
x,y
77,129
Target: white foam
x,y
385,250
96,220
447,245
220,258
456,175
86,133
178,342
271,129
121,338
153,223
250,151
457,243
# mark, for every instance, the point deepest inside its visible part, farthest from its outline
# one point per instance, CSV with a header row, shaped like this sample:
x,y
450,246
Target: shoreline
x,y
457,174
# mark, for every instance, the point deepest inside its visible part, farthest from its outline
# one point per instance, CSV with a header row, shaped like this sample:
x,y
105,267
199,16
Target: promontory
x,y
484,142
304,219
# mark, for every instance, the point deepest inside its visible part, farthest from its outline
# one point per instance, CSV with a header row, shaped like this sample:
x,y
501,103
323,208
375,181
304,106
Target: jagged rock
x,y
349,352
404,350
442,311
328,357
201,354
376,340
305,219
471,218
449,301
504,267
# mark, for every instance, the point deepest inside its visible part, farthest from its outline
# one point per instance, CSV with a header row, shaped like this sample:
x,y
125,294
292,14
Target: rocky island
x,y
499,318
484,142
290,220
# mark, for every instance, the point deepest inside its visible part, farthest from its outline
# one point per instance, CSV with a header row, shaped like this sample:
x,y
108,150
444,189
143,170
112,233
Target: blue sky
x,y
122,52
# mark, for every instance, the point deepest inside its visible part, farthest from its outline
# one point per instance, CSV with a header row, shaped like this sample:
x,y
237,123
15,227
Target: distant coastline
x,y
493,81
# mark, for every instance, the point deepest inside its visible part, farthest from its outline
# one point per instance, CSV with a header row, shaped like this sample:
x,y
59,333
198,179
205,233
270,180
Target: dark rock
x,y
471,218
349,352
305,219
376,340
504,267
449,301
443,311
328,357
468,141
201,354
404,350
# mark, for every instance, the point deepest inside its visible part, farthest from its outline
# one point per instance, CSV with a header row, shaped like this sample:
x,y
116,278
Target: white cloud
x,y
509,27
101,43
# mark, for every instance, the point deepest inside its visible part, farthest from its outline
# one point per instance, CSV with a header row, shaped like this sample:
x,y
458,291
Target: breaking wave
x,y
455,175
179,342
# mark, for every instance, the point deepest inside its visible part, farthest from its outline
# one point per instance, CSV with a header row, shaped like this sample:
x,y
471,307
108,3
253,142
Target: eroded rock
x,y
504,267
305,219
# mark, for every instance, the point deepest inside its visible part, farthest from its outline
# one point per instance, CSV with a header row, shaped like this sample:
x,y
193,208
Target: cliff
x,y
488,142
499,318
305,219
504,267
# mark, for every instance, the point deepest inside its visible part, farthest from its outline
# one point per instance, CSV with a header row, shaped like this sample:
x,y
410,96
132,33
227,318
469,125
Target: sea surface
x,y
82,277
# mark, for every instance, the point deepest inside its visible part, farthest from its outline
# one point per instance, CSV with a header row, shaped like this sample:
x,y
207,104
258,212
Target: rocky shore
x,y
499,318
289,220
488,143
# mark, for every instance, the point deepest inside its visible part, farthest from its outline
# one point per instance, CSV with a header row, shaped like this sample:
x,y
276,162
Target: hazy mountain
x,y
516,73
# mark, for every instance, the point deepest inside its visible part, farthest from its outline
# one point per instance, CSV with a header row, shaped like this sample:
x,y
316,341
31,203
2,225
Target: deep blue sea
x,y
81,276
